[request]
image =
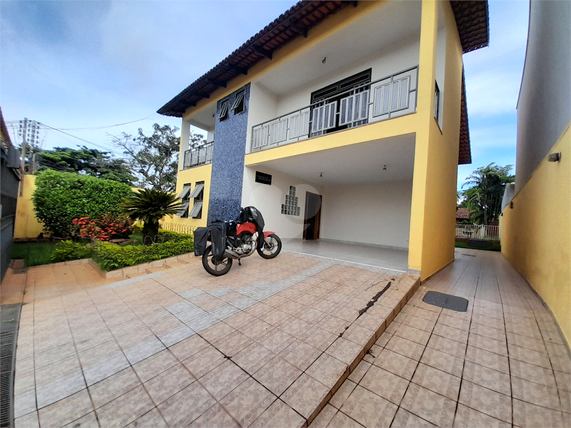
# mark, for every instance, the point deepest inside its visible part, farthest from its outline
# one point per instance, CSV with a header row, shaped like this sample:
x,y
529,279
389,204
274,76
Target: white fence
x,y
178,228
478,231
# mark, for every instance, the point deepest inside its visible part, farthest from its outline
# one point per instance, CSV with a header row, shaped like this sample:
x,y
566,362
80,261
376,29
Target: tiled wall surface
x,y
228,161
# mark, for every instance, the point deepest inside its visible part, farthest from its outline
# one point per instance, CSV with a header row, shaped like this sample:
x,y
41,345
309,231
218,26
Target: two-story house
x,y
340,121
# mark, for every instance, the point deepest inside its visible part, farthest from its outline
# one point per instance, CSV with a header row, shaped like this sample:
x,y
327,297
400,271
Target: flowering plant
x,y
104,228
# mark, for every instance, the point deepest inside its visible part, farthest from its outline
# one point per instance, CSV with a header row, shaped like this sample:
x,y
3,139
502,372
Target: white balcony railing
x,y
382,99
198,156
477,231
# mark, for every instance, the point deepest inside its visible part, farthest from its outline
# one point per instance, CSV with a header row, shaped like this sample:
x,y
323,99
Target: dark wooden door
x,y
312,221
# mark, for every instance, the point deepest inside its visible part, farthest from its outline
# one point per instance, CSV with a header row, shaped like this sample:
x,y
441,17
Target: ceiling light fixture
x,y
324,60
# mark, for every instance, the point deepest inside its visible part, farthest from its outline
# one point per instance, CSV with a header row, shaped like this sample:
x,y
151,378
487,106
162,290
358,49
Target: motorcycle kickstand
x,y
239,263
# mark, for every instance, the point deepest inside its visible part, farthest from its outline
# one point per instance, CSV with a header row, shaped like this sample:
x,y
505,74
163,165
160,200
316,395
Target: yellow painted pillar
x,y
424,113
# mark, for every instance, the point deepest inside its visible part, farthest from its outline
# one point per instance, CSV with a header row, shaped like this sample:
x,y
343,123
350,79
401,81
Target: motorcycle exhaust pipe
x,y
231,254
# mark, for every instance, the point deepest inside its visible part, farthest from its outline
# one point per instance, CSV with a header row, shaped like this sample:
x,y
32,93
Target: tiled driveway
x,y
502,363
264,345
271,342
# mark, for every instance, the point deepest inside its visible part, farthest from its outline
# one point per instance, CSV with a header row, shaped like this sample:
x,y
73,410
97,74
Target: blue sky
x,y
74,65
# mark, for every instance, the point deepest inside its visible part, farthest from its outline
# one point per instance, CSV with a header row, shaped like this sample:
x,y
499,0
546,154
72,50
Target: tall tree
x,y
153,159
484,196
85,161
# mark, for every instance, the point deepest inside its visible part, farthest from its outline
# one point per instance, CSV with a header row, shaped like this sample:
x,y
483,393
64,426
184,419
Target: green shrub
x,y
60,197
111,257
68,250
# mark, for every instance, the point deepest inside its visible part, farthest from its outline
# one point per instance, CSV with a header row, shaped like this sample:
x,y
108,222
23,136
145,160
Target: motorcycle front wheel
x,y
271,247
215,265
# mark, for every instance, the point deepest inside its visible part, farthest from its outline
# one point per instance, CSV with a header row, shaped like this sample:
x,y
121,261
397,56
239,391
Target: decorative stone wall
x,y
228,160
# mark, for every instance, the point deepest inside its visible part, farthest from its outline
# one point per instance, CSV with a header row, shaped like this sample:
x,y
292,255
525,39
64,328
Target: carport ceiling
x,y
354,164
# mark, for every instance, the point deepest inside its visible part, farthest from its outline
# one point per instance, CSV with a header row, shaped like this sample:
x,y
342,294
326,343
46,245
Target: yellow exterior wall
x,y
192,175
436,152
536,233
27,225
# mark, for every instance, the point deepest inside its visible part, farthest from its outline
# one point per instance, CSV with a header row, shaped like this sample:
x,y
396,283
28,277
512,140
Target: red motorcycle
x,y
235,240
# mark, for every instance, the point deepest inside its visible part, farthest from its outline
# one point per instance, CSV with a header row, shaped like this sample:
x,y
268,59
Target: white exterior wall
x,y
264,105
269,199
376,213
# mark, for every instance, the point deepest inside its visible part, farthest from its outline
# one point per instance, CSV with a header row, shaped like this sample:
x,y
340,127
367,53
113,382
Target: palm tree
x,y
484,197
150,206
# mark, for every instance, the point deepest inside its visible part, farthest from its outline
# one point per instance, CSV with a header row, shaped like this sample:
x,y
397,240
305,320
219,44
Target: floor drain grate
x,y
9,321
446,301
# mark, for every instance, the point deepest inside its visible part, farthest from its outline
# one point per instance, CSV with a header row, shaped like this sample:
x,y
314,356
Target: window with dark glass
x,y
223,114
238,106
184,196
340,105
198,195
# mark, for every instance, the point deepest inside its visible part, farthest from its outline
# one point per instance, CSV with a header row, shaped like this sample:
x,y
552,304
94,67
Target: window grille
x,y
238,106
223,115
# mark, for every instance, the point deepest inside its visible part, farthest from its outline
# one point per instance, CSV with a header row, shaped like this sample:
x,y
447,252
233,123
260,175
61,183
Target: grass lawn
x,y
495,246
35,253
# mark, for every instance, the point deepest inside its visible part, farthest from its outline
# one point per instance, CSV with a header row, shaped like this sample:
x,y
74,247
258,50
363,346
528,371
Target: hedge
x,y
68,250
61,196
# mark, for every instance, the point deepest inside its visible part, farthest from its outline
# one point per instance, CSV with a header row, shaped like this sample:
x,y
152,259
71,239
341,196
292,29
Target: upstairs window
x,y
238,106
198,195
184,195
223,115
436,102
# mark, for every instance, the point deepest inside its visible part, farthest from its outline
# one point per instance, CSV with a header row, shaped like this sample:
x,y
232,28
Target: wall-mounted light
x,y
384,167
324,60
321,175
511,205
554,157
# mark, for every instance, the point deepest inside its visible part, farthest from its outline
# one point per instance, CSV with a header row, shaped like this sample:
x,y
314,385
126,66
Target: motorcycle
x,y
235,240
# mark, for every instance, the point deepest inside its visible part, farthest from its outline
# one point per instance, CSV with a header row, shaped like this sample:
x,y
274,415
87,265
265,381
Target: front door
x,y
312,219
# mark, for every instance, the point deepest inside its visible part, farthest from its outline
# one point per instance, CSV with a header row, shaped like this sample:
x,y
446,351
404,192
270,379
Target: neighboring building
x,y
536,220
462,215
9,182
340,121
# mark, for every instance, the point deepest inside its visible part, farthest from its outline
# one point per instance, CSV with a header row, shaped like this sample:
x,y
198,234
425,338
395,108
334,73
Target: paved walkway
x,y
281,343
502,363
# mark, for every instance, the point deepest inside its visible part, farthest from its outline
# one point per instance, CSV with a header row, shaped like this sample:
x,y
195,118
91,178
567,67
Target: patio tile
x,y
188,347
247,402
60,388
429,405
487,359
154,365
305,395
232,344
536,394
406,419
437,381
413,334
168,383
529,356
530,415
277,375
327,370
341,420
252,358
416,322
467,418
224,379
561,364
114,386
447,346
344,350
368,409
105,368
300,354
488,344
486,401
396,363
443,361
66,410
276,340
217,332
152,419
186,405
533,373
385,384
491,379
256,329
278,414
217,417
405,347
322,420
125,409
27,421
360,371
563,380
204,361
87,421
451,333
491,332
342,393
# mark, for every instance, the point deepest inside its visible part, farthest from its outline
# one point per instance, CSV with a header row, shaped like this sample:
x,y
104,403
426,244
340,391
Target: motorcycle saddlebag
x,y
200,240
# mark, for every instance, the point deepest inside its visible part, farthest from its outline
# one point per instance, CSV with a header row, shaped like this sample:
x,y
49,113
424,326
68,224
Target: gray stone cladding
x,y
228,160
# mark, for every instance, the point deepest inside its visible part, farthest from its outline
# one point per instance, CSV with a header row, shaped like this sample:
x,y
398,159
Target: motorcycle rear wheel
x,y
214,265
271,248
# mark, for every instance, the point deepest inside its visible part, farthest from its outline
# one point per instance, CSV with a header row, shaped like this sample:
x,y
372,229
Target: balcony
x,y
198,156
383,99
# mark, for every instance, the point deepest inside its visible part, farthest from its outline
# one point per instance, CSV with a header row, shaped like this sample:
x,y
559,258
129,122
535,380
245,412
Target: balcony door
x,y
329,104
312,220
